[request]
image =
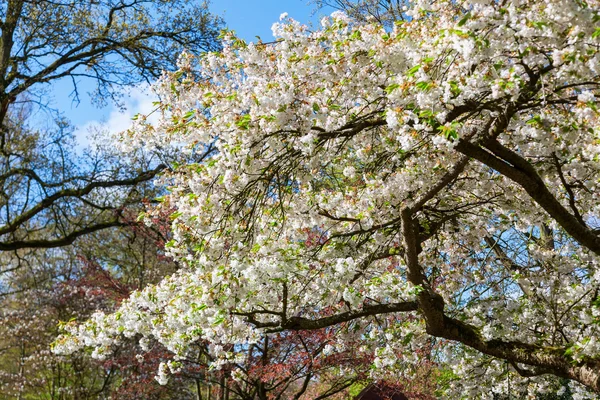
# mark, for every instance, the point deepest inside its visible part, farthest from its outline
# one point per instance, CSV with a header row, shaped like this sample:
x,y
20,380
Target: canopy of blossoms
x,y
445,173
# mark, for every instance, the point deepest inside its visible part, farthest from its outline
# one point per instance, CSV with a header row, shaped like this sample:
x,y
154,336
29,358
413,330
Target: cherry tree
x,y
445,170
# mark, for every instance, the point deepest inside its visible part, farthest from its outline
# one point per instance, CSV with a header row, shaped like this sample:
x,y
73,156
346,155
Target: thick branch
x,y
50,200
512,165
301,323
63,241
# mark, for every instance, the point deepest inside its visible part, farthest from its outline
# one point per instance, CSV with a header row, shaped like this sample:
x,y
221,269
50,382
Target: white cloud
x,y
139,100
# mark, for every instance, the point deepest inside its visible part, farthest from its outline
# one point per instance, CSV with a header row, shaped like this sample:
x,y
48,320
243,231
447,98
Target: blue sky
x,y
254,18
249,18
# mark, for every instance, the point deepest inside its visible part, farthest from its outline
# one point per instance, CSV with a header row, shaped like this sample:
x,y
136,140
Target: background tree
x,y
386,12
54,285
112,44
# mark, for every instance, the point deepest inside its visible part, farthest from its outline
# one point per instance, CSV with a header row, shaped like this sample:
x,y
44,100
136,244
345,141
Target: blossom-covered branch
x,y
443,171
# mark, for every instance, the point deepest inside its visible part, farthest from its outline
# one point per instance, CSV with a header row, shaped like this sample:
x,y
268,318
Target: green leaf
x,y
464,19
424,86
199,248
197,307
570,351
392,87
416,290
448,132
536,120
425,114
244,122
356,35
316,107
596,33
413,70
454,87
